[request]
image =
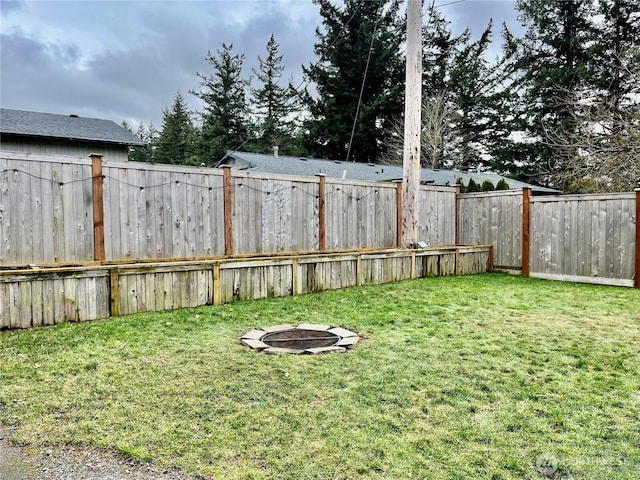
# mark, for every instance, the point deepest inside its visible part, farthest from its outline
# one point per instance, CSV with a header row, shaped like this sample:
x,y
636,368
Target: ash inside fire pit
x,y
301,339
307,338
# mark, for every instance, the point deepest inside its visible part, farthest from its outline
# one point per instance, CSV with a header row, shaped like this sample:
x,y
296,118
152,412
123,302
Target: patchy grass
x,y
487,377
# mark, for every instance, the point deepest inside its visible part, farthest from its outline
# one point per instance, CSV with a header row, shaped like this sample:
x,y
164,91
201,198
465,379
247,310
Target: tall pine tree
x,y
148,135
274,106
615,51
225,120
553,59
464,99
477,87
176,143
361,41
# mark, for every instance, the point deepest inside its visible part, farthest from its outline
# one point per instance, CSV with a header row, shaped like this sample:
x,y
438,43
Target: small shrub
x,y
487,186
502,185
472,186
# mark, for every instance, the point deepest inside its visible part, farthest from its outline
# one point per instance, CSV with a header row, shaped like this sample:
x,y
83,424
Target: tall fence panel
x,y
586,238
161,211
493,218
437,222
274,213
45,211
360,215
171,212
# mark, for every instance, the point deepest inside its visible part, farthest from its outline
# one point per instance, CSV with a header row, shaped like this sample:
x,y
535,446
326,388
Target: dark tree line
x,y
559,106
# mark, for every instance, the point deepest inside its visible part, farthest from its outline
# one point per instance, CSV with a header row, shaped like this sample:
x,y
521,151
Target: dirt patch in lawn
x,y
72,463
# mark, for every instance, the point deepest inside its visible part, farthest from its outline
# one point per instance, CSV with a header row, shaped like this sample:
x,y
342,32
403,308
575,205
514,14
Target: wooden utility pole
x,y
412,124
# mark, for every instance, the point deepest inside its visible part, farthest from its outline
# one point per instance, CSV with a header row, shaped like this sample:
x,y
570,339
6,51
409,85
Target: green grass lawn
x,y
487,377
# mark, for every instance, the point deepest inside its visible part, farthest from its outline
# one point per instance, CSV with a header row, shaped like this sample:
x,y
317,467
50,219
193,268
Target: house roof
x,y
71,127
305,166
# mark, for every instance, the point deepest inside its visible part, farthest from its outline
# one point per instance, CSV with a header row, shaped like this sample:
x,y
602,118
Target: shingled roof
x,y
70,127
359,171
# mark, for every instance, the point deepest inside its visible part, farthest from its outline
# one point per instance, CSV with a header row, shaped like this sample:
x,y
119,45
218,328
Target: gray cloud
x,y
127,63
8,6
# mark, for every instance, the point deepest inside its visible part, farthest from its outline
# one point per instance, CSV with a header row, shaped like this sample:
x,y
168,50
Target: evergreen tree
x,y
479,95
141,153
274,105
487,186
176,143
473,187
465,110
553,59
439,48
617,36
502,185
225,119
361,40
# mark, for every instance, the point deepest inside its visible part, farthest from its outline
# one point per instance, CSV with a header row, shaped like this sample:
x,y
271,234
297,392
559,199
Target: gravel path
x,y
72,463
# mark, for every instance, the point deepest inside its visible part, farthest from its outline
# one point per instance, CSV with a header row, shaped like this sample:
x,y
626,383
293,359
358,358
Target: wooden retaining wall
x,y
32,298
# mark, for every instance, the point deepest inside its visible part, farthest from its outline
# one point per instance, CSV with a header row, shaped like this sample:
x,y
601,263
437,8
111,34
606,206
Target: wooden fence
x,y
493,218
70,211
55,295
584,238
74,211
581,238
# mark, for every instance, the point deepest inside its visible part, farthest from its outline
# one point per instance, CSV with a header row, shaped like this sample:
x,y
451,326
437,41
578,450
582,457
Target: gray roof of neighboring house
x,y
358,171
38,124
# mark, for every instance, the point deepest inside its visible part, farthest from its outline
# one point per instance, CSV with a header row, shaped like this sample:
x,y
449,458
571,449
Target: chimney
x,y
275,151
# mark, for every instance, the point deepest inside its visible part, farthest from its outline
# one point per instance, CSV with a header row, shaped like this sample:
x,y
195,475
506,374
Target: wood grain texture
x,y
583,238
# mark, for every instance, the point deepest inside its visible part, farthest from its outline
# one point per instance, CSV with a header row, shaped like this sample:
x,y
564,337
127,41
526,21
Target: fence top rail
x,y
495,193
585,197
162,167
195,170
271,176
8,271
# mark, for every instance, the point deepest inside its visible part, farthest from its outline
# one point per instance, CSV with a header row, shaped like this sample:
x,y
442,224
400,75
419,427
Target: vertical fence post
x,y
526,195
98,207
457,215
399,214
636,277
228,211
322,219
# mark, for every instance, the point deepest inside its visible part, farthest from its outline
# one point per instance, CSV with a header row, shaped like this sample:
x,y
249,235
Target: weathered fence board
x,y
176,212
49,296
272,214
493,218
162,212
45,212
437,216
360,215
586,238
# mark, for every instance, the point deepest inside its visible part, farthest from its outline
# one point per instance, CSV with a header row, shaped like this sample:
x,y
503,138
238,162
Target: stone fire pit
x,y
306,338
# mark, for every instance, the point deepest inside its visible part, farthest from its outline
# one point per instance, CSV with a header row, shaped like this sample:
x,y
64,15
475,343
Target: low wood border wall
x,y
48,296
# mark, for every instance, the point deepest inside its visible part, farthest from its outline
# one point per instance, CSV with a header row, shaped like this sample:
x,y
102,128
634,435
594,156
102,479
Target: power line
x,y
364,78
449,3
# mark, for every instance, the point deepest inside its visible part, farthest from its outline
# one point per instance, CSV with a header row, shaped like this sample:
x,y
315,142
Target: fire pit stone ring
x,y
306,338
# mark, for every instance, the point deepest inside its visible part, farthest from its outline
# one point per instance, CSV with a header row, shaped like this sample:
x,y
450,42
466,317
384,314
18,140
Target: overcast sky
x,y
125,60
